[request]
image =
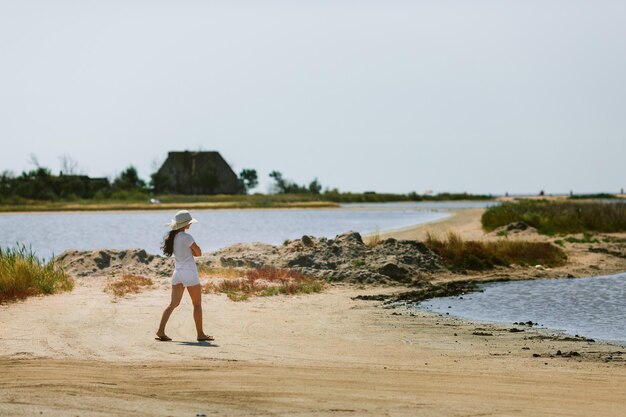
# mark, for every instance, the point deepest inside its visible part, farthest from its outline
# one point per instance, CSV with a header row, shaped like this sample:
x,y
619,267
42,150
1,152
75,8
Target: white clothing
x,y
185,270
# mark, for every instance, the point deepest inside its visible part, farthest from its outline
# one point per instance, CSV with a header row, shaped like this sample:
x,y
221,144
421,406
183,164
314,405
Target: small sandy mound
x,y
111,262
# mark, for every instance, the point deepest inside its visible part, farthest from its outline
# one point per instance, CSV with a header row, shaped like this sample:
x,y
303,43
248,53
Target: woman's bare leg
x,y
177,294
195,292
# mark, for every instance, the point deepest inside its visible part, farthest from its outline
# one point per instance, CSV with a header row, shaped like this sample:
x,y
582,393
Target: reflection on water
x,y
592,307
50,233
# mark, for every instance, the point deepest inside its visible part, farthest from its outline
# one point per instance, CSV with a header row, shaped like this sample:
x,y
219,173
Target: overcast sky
x,y
477,96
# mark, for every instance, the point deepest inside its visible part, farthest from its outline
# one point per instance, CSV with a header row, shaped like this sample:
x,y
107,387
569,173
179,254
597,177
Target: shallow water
x,y
592,307
52,233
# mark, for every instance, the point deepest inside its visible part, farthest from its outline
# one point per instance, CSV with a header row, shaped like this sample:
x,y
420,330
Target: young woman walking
x,y
181,244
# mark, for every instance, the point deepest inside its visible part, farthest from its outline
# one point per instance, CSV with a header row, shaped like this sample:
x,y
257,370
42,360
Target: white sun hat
x,y
182,219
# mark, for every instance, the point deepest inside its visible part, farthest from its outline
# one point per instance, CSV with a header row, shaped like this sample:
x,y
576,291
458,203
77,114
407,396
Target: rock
x,y
112,262
393,271
307,241
517,226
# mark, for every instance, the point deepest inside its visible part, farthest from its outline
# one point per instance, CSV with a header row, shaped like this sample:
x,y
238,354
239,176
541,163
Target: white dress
x,y
185,270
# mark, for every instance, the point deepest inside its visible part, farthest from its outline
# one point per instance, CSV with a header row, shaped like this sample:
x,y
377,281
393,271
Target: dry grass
x,y
22,275
460,255
373,239
127,284
262,282
205,271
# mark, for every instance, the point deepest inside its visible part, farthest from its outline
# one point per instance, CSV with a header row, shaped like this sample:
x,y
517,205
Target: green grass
x,y
22,275
460,255
552,217
241,284
587,238
592,196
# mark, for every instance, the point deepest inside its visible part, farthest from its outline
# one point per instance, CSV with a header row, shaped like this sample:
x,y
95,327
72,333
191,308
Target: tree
x,y
280,182
249,179
69,166
315,187
129,180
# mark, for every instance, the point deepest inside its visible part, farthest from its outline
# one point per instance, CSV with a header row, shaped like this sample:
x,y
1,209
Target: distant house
x,y
196,173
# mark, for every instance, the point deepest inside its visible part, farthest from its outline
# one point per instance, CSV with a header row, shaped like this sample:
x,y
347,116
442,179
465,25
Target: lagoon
x,y
52,233
591,307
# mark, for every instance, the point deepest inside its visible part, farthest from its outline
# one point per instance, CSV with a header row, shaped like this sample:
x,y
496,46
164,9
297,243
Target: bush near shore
x,y
22,274
460,255
564,217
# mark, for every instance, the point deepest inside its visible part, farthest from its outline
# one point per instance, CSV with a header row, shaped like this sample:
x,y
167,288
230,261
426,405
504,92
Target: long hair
x,y
168,241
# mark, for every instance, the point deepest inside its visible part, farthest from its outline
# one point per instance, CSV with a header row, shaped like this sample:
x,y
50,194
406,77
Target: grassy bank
x,y
461,255
22,274
114,205
564,217
141,201
241,284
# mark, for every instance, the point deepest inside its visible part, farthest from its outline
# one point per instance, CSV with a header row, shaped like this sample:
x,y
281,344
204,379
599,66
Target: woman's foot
x,y
162,338
205,338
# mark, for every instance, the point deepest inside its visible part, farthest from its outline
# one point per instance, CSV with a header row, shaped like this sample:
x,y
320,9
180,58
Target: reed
x,y
461,255
22,275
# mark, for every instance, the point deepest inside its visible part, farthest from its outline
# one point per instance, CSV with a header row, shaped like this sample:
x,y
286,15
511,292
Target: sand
x,y
85,353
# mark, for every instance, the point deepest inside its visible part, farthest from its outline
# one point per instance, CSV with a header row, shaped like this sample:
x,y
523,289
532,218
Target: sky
x,y
387,96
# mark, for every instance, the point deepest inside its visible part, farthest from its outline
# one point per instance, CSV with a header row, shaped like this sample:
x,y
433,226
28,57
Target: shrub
x,y
127,284
460,255
22,275
566,217
263,282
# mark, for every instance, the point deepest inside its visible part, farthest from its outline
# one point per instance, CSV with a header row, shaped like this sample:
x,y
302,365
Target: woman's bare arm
x,y
195,249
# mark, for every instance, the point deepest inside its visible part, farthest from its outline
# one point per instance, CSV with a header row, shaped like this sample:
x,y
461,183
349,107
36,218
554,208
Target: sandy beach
x,y
85,353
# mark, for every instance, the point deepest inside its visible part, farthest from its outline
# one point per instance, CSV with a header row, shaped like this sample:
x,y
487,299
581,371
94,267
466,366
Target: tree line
x,y
41,184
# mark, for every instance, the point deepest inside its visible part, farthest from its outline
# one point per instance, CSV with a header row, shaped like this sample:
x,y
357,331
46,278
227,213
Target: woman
x,y
181,244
